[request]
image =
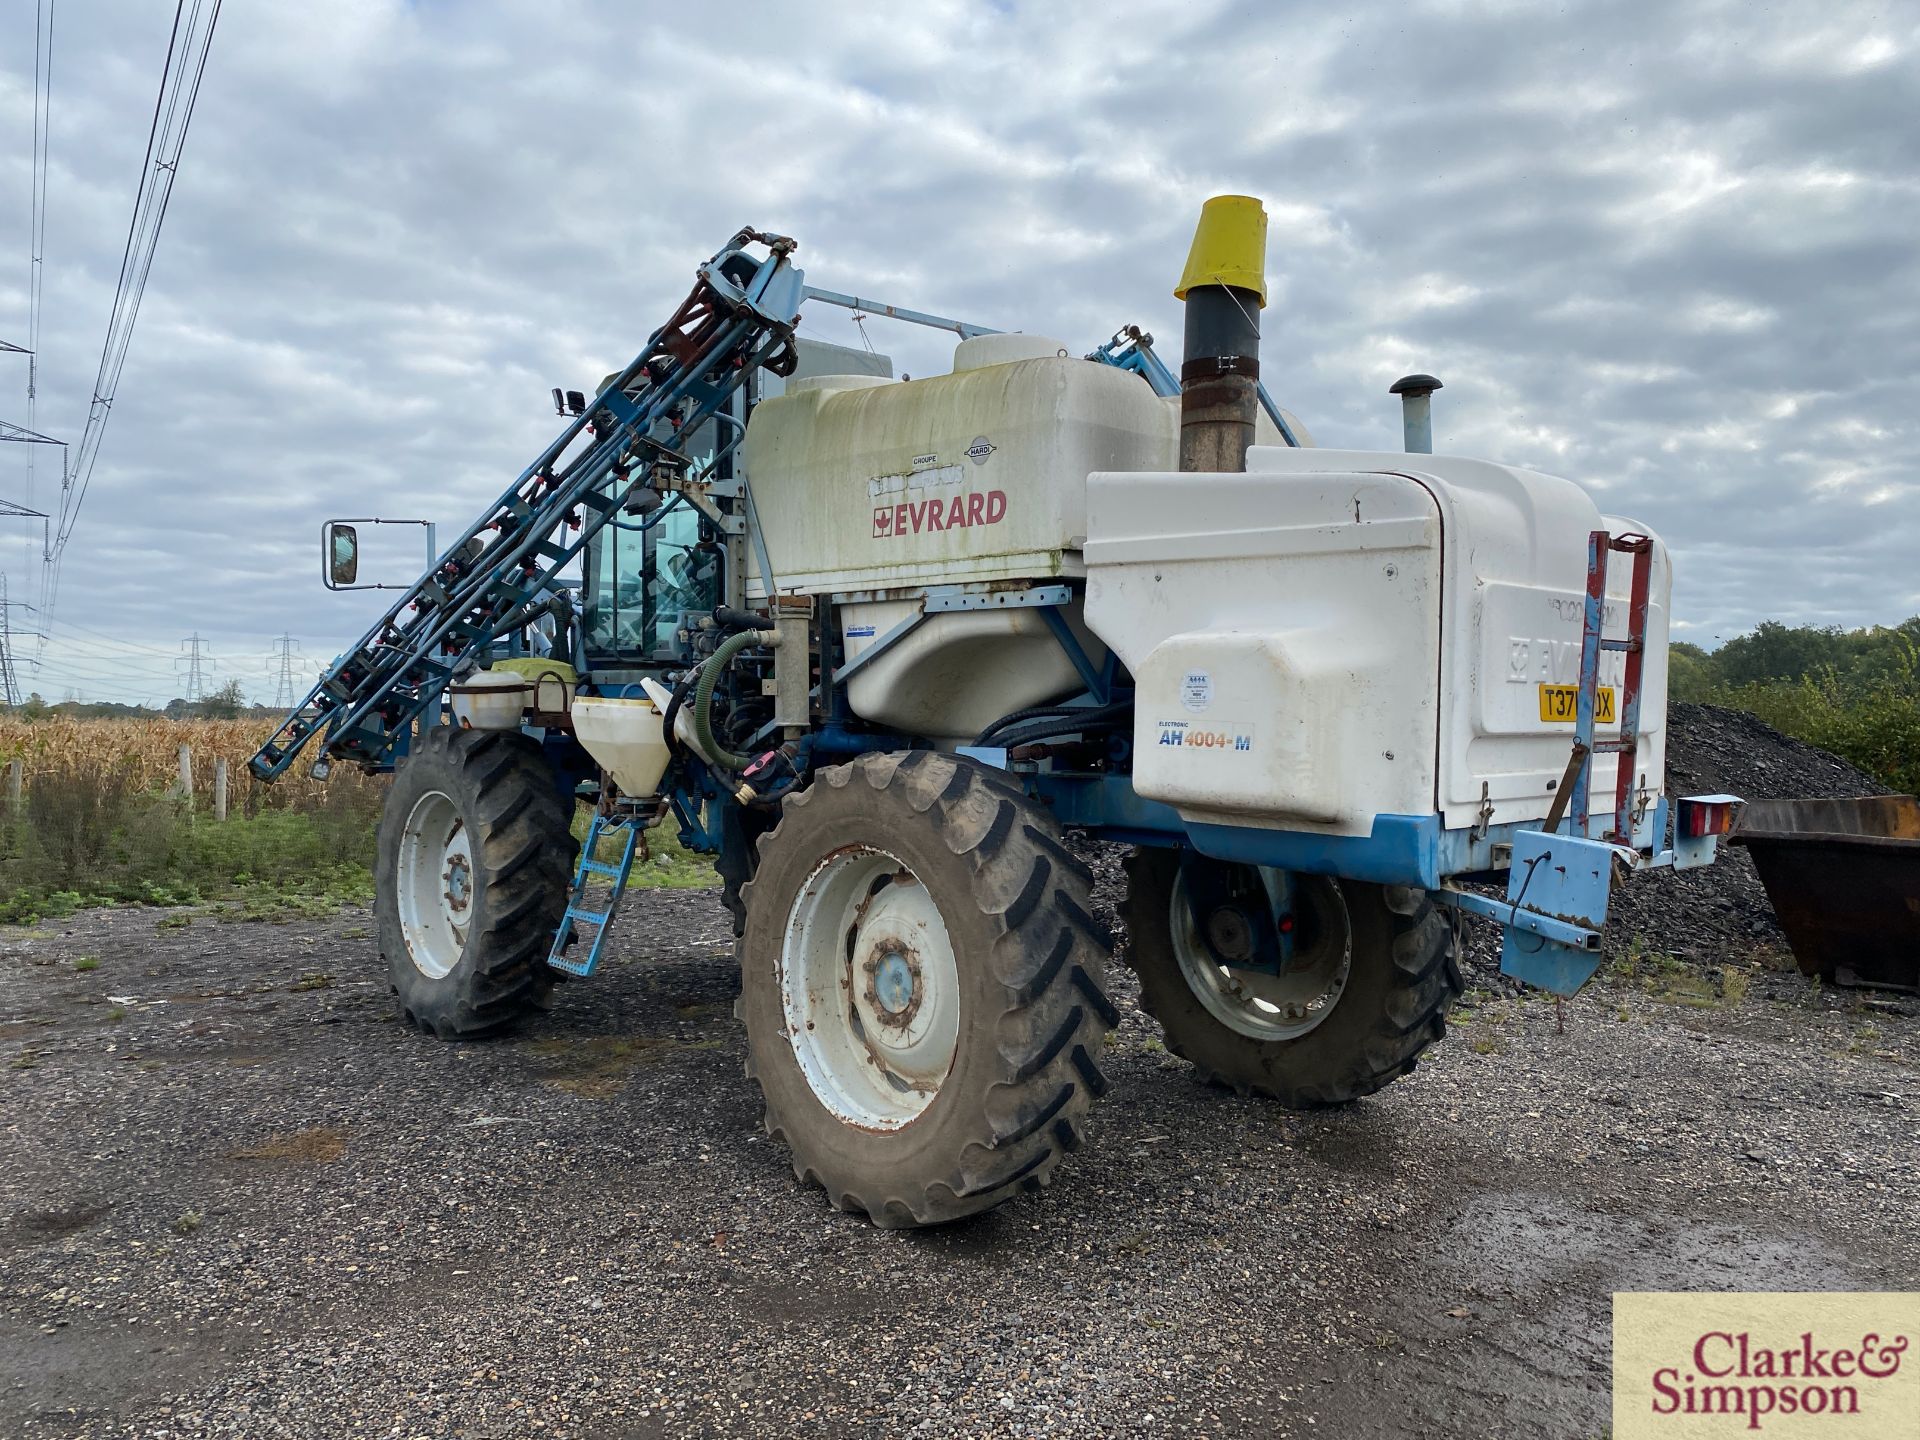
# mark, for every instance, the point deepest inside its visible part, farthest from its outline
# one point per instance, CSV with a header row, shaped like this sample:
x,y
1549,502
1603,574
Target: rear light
x,y
1703,815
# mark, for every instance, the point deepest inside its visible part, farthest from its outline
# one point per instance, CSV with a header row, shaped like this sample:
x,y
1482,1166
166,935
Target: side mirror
x,y
341,544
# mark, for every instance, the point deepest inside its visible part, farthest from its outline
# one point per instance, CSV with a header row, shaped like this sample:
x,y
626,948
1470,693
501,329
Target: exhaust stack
x,y
1225,289
1416,410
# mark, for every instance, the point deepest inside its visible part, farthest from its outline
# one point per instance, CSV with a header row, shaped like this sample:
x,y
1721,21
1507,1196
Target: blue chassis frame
x,y
1558,885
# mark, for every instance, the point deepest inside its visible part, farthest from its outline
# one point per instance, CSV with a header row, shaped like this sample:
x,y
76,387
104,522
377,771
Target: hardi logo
x,y
958,512
1783,1365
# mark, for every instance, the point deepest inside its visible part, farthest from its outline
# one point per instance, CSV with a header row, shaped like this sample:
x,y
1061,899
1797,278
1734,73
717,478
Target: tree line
x,y
229,702
1855,693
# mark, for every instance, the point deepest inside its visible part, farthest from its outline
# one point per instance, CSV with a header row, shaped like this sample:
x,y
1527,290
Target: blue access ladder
x,y
739,318
580,914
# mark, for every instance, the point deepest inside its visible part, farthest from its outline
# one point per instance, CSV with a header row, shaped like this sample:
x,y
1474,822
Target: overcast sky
x,y
1669,250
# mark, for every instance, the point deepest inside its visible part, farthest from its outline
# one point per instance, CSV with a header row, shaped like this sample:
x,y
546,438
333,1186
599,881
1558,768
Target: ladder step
x,y
595,867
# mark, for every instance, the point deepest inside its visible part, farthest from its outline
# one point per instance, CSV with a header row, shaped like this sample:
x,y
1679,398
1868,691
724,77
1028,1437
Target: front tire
x,y
1374,980
920,980
474,866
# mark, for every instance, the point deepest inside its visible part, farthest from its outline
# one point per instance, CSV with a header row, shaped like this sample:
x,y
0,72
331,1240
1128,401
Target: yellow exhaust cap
x,y
1229,247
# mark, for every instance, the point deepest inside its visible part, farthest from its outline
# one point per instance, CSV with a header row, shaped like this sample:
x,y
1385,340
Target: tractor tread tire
x,y
524,852
1027,1067
1405,977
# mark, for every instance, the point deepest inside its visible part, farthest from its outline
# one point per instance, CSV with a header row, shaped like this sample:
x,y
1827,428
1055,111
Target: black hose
x,y
679,697
1031,712
1082,721
728,618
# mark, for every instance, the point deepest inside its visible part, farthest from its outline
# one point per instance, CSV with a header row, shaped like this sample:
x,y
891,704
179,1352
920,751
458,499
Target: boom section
x,y
739,317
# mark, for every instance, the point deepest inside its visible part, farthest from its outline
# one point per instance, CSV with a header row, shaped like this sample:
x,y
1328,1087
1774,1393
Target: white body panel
x,y
957,672
864,484
1329,637
1352,634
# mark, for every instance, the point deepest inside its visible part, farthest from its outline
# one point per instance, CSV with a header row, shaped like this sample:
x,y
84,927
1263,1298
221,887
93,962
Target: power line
x,y
9,691
199,670
185,66
284,692
120,641
117,664
37,222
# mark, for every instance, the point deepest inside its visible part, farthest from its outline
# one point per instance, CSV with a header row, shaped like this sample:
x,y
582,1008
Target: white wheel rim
x,y
869,989
1286,1006
434,884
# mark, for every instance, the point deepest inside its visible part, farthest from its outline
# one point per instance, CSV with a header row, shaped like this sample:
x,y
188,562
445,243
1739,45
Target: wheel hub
x,y
870,989
434,884
893,984
1230,933
459,878
1214,953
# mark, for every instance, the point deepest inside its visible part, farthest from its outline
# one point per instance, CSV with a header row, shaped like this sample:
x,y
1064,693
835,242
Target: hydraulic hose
x,y
681,689
728,618
1016,716
703,699
1081,721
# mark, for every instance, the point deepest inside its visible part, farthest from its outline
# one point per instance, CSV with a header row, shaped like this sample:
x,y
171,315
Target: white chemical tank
x,y
1338,635
881,488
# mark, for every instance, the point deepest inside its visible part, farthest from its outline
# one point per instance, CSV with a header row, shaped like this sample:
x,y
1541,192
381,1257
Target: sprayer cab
x,y
880,646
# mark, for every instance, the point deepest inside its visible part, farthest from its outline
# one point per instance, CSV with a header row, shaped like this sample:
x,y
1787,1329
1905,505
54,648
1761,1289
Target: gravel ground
x,y
237,1199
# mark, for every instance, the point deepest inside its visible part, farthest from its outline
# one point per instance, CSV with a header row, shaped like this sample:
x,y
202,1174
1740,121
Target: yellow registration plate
x,y
1560,704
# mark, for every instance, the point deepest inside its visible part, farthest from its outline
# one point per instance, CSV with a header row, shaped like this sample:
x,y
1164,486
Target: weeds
x,y
90,834
667,865
87,962
100,824
1672,981
188,1222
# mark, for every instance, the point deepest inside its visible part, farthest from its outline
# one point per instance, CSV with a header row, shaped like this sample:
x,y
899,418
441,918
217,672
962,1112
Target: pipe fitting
x,y
1416,411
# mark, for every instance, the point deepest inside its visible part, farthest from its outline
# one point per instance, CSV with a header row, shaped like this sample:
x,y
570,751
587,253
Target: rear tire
x,y
1400,977
474,867
920,980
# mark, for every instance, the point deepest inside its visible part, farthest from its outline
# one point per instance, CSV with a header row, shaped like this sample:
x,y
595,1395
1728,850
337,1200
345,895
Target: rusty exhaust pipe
x,y
1225,289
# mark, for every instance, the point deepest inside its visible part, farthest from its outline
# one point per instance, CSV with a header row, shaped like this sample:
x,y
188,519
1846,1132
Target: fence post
x,y
220,788
186,773
16,775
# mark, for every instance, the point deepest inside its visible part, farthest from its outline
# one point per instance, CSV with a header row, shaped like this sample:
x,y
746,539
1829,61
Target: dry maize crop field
x,y
144,756
101,817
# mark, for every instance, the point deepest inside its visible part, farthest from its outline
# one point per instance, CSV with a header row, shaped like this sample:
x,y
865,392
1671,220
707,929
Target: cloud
x,y
1664,249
